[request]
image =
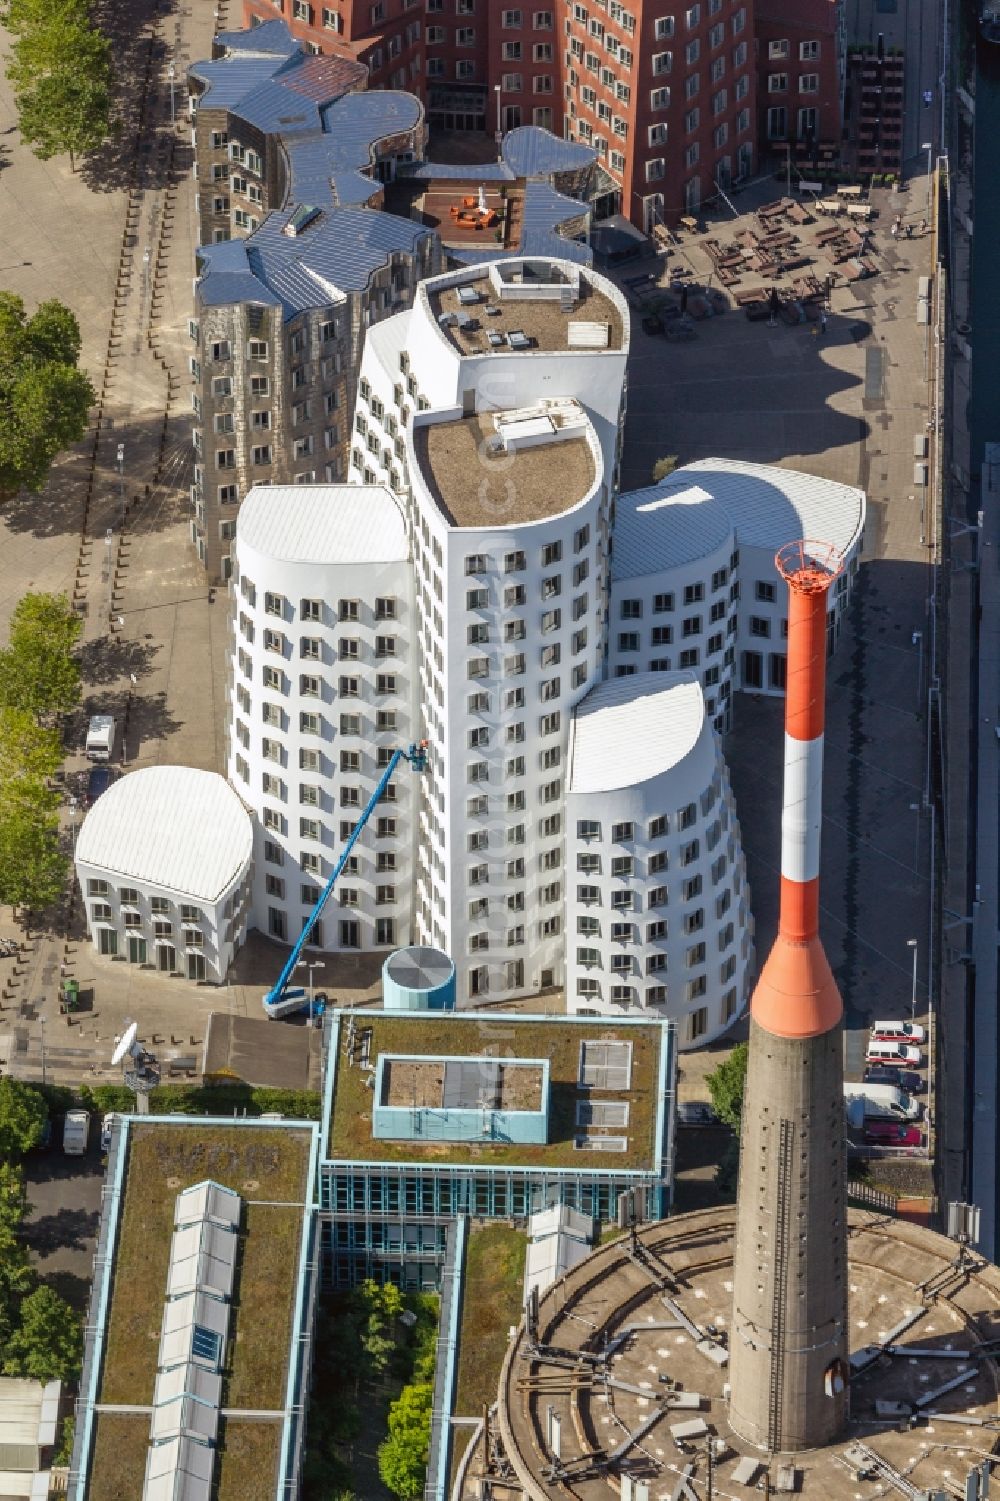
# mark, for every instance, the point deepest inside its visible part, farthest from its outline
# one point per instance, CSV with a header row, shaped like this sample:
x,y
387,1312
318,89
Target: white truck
x,y
880,1102
76,1131
100,738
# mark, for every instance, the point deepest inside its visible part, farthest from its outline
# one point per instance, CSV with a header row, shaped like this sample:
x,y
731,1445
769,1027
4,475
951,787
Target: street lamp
x,y
917,640
312,965
496,90
72,816
170,75
121,479
911,943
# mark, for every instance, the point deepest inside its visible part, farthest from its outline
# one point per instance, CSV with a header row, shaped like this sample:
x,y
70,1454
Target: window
x,y
808,83
777,83
257,349
778,49
808,51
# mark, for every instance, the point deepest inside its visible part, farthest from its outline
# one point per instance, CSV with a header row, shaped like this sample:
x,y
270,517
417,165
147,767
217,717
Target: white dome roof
x,y
170,826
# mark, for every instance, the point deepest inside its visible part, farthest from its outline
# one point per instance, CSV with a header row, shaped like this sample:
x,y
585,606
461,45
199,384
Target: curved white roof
x,y
629,730
323,524
667,525
770,506
173,827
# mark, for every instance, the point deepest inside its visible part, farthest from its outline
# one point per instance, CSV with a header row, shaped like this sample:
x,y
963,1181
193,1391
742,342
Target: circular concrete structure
x,y
418,979
627,1369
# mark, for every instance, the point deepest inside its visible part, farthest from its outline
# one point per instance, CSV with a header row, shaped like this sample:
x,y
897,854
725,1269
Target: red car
x,y
893,1134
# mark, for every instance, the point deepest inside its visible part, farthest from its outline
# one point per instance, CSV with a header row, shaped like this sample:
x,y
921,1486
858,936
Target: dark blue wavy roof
x,y
337,253
531,151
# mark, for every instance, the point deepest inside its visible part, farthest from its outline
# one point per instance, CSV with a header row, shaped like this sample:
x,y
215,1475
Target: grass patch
x,y
259,1164
491,1302
261,1322
247,1466
118,1463
351,1125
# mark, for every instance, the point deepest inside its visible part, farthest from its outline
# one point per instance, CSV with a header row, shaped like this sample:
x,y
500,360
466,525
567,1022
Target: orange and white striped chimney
x,y
789,1347
796,995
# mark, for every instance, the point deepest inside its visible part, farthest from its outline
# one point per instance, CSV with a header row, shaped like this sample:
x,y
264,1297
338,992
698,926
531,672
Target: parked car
x,y
899,1031
881,1050
903,1078
893,1134
107,1126
99,781
696,1113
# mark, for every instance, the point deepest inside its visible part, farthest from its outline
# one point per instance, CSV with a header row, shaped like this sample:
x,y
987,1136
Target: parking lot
x,y
64,1194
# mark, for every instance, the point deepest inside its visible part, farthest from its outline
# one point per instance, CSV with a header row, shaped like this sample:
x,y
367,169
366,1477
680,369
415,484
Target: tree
x,y
38,670
60,72
29,755
32,865
402,1459
13,1205
23,1114
44,398
375,1310
33,868
48,1345
663,467
726,1084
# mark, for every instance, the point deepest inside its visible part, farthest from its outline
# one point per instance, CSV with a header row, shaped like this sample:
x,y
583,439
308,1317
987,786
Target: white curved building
x,y
676,579
163,860
323,681
769,507
674,597
657,908
496,404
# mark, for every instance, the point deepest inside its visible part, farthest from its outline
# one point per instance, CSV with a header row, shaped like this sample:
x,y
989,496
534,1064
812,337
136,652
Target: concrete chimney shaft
x,y
788,1346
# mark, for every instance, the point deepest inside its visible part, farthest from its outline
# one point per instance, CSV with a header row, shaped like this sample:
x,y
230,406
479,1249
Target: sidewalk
x,y
134,578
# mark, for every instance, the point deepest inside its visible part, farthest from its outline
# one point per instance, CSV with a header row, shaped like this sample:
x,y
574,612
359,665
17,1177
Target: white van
x,y
883,1101
893,1052
899,1031
100,738
76,1130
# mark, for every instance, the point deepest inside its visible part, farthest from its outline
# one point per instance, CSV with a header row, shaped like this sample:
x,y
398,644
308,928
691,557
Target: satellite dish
x,y
125,1043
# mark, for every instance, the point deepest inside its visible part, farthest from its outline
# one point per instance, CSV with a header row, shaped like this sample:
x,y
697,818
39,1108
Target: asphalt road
x,y
64,1194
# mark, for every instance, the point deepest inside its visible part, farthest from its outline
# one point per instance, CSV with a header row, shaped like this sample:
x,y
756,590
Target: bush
x,y
106,1097
664,467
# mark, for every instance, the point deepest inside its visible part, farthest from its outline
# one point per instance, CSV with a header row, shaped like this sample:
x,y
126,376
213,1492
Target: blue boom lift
x,y
283,999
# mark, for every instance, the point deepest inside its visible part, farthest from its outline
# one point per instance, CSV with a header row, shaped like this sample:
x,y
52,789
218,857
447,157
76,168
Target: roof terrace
x,y
603,1086
505,468
546,302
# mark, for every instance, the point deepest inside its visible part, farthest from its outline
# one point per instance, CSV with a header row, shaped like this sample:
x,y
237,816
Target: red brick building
x,y
800,76
665,93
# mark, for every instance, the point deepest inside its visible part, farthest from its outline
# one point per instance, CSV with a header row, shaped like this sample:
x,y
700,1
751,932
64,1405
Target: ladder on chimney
x,y
786,1144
